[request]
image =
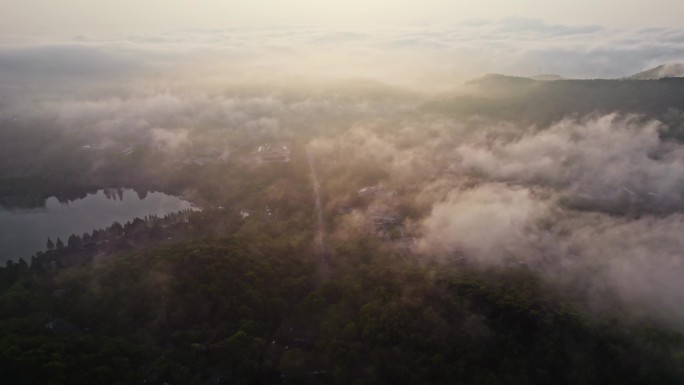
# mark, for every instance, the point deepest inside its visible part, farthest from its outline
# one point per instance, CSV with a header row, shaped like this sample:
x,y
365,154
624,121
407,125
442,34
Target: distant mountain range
x,y
668,70
654,94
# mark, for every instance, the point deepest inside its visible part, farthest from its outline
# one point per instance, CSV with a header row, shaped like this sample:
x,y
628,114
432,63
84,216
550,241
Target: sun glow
x,y
124,15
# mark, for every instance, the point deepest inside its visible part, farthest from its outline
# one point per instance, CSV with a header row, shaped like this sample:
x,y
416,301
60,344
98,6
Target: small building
x,y
371,190
273,153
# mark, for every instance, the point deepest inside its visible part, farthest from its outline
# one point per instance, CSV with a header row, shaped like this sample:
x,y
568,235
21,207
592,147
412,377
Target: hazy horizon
x,y
374,209
73,16
418,44
423,58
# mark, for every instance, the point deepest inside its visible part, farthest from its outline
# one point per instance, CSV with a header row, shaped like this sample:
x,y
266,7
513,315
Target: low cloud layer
x,y
592,203
606,161
431,57
490,222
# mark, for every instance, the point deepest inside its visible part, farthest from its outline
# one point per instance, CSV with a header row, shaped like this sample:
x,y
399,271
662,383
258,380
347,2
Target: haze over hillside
x,y
299,202
670,70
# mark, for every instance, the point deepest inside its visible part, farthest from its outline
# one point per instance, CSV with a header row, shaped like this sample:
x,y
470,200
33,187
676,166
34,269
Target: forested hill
x,y
246,310
538,102
443,265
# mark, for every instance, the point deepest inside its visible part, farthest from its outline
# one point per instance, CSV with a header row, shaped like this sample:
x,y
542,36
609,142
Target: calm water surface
x,y
23,232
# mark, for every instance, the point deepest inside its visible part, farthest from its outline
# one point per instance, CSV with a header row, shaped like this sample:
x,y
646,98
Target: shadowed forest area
x,y
468,239
314,193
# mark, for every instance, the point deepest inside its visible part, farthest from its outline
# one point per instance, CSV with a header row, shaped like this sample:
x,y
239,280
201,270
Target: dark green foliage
x,y
192,306
180,314
541,103
244,310
471,328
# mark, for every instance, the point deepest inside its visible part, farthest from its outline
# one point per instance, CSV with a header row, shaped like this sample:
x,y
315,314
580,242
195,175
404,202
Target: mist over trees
x,y
350,229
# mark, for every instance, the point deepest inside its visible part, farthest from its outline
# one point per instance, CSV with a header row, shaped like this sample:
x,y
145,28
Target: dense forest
x,y
248,309
370,250
543,102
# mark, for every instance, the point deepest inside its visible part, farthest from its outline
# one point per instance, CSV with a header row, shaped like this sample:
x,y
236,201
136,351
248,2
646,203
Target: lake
x,y
24,232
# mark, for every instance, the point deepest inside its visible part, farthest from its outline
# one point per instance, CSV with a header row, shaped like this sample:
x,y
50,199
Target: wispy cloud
x,y
590,200
431,54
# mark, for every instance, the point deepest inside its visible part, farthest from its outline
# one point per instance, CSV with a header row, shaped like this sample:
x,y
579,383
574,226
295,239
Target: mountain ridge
x,y
668,70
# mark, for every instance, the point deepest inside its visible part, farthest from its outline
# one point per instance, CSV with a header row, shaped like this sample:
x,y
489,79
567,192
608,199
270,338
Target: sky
x,y
78,16
426,44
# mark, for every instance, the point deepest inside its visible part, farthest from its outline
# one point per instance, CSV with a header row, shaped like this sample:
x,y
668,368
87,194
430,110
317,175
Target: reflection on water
x,y
23,232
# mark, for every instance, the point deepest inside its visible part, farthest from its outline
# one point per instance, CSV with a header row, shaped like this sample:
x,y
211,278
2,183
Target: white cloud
x,y
430,56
